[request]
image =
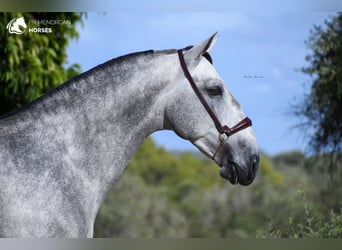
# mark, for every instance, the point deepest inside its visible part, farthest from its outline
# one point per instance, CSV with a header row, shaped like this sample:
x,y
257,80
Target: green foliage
x,y
267,170
289,159
311,226
161,168
33,63
134,210
321,109
328,167
165,195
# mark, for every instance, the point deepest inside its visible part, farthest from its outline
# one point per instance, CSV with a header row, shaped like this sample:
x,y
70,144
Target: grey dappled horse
x,y
61,154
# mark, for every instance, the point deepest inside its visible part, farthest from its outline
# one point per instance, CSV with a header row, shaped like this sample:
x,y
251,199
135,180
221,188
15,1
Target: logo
x,y
17,26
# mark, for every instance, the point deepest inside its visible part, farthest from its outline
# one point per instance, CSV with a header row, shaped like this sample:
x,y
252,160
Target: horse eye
x,y
215,91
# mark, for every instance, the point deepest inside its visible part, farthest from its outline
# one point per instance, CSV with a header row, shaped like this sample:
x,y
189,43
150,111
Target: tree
x,y
133,209
321,109
33,63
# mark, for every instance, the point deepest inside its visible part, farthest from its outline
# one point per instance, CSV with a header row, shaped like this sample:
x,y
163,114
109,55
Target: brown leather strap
x,y
198,92
246,122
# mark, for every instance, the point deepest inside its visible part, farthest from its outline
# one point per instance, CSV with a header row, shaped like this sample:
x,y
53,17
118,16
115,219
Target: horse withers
x,y
61,154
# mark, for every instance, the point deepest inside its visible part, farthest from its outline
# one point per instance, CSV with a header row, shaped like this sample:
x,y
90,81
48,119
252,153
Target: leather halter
x,y
244,123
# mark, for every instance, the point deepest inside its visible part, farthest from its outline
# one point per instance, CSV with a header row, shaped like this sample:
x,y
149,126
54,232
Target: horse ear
x,y
193,55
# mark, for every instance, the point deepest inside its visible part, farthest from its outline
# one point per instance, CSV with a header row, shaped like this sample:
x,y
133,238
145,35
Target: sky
x,y
258,55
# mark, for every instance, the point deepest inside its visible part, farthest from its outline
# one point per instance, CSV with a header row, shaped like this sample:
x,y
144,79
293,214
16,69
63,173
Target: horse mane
x,y
62,87
117,60
85,75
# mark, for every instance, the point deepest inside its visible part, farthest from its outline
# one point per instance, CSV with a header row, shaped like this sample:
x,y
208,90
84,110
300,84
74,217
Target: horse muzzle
x,y
243,175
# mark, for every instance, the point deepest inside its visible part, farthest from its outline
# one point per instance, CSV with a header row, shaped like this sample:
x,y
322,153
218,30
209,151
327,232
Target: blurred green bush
x,y
171,194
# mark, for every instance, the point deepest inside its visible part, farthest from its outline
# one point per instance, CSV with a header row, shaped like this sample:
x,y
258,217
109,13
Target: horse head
x,y
232,146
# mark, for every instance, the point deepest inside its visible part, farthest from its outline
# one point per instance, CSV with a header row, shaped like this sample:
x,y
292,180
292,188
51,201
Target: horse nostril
x,y
255,159
252,170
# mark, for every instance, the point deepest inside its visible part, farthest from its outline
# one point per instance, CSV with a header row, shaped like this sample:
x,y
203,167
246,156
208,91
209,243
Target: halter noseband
x,y
244,123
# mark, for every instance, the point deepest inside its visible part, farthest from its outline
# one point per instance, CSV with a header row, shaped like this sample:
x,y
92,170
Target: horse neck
x,y
105,115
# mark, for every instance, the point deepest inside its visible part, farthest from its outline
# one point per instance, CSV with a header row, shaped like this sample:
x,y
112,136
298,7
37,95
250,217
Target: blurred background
x,y
285,69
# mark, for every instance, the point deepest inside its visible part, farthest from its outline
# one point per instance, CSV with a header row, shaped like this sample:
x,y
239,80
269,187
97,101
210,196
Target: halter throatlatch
x,y
244,123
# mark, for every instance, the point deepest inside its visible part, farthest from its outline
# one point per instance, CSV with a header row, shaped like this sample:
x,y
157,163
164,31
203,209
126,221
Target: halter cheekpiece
x,y
223,130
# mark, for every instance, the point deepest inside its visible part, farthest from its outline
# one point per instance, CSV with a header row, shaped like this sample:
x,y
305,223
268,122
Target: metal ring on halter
x,y
223,138
228,131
